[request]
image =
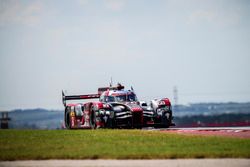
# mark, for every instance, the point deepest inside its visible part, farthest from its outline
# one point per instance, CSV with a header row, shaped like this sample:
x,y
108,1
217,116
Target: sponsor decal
x,y
72,113
83,120
136,109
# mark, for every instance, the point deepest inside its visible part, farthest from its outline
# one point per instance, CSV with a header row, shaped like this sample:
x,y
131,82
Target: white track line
x,y
130,163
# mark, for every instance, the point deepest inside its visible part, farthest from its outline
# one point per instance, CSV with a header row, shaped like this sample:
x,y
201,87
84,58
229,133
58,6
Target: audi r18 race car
x,y
116,108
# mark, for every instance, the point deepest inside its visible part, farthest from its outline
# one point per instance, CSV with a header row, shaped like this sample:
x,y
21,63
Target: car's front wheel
x,y
92,118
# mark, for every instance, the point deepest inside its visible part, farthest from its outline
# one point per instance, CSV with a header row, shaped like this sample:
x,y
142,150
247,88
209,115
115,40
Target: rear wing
x,y
90,96
78,97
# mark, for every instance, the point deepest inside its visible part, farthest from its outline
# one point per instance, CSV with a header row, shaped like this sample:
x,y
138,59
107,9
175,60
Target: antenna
x,y
111,82
175,97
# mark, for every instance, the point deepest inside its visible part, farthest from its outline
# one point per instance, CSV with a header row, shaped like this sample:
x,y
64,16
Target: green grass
x,y
115,144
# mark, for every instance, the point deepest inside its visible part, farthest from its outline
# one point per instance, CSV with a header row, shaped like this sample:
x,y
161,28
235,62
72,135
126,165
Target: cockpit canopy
x,y
118,96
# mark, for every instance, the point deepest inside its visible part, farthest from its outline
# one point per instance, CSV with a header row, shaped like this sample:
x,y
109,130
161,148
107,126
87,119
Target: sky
x,y
201,47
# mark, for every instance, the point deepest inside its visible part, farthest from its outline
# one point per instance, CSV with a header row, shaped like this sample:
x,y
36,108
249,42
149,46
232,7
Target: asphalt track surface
x,y
130,163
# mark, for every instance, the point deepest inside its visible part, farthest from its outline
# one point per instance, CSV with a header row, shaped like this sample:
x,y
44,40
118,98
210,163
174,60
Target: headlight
x,y
107,112
102,111
96,113
161,102
106,106
159,112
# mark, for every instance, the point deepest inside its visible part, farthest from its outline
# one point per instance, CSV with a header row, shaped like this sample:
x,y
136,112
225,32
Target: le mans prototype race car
x,y
116,108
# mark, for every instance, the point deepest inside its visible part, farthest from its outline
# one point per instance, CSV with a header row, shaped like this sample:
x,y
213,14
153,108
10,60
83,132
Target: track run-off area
x,y
238,132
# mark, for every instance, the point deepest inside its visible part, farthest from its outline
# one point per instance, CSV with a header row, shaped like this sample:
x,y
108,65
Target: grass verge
x,y
115,144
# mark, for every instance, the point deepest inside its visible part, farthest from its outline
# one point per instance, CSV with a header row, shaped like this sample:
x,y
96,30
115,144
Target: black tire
x,y
129,124
67,119
92,118
110,123
111,120
165,126
166,121
156,126
139,127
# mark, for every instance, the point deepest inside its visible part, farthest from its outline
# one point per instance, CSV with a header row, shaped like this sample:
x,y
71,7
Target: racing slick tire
x,y
165,122
92,118
161,126
166,119
67,119
165,126
110,123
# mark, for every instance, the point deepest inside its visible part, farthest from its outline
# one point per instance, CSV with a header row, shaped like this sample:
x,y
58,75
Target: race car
x,y
116,108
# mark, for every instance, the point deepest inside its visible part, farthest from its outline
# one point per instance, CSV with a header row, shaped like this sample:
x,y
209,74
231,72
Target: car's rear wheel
x,y
67,119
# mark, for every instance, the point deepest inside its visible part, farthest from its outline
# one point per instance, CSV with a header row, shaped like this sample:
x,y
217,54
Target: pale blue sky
x,y
200,46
